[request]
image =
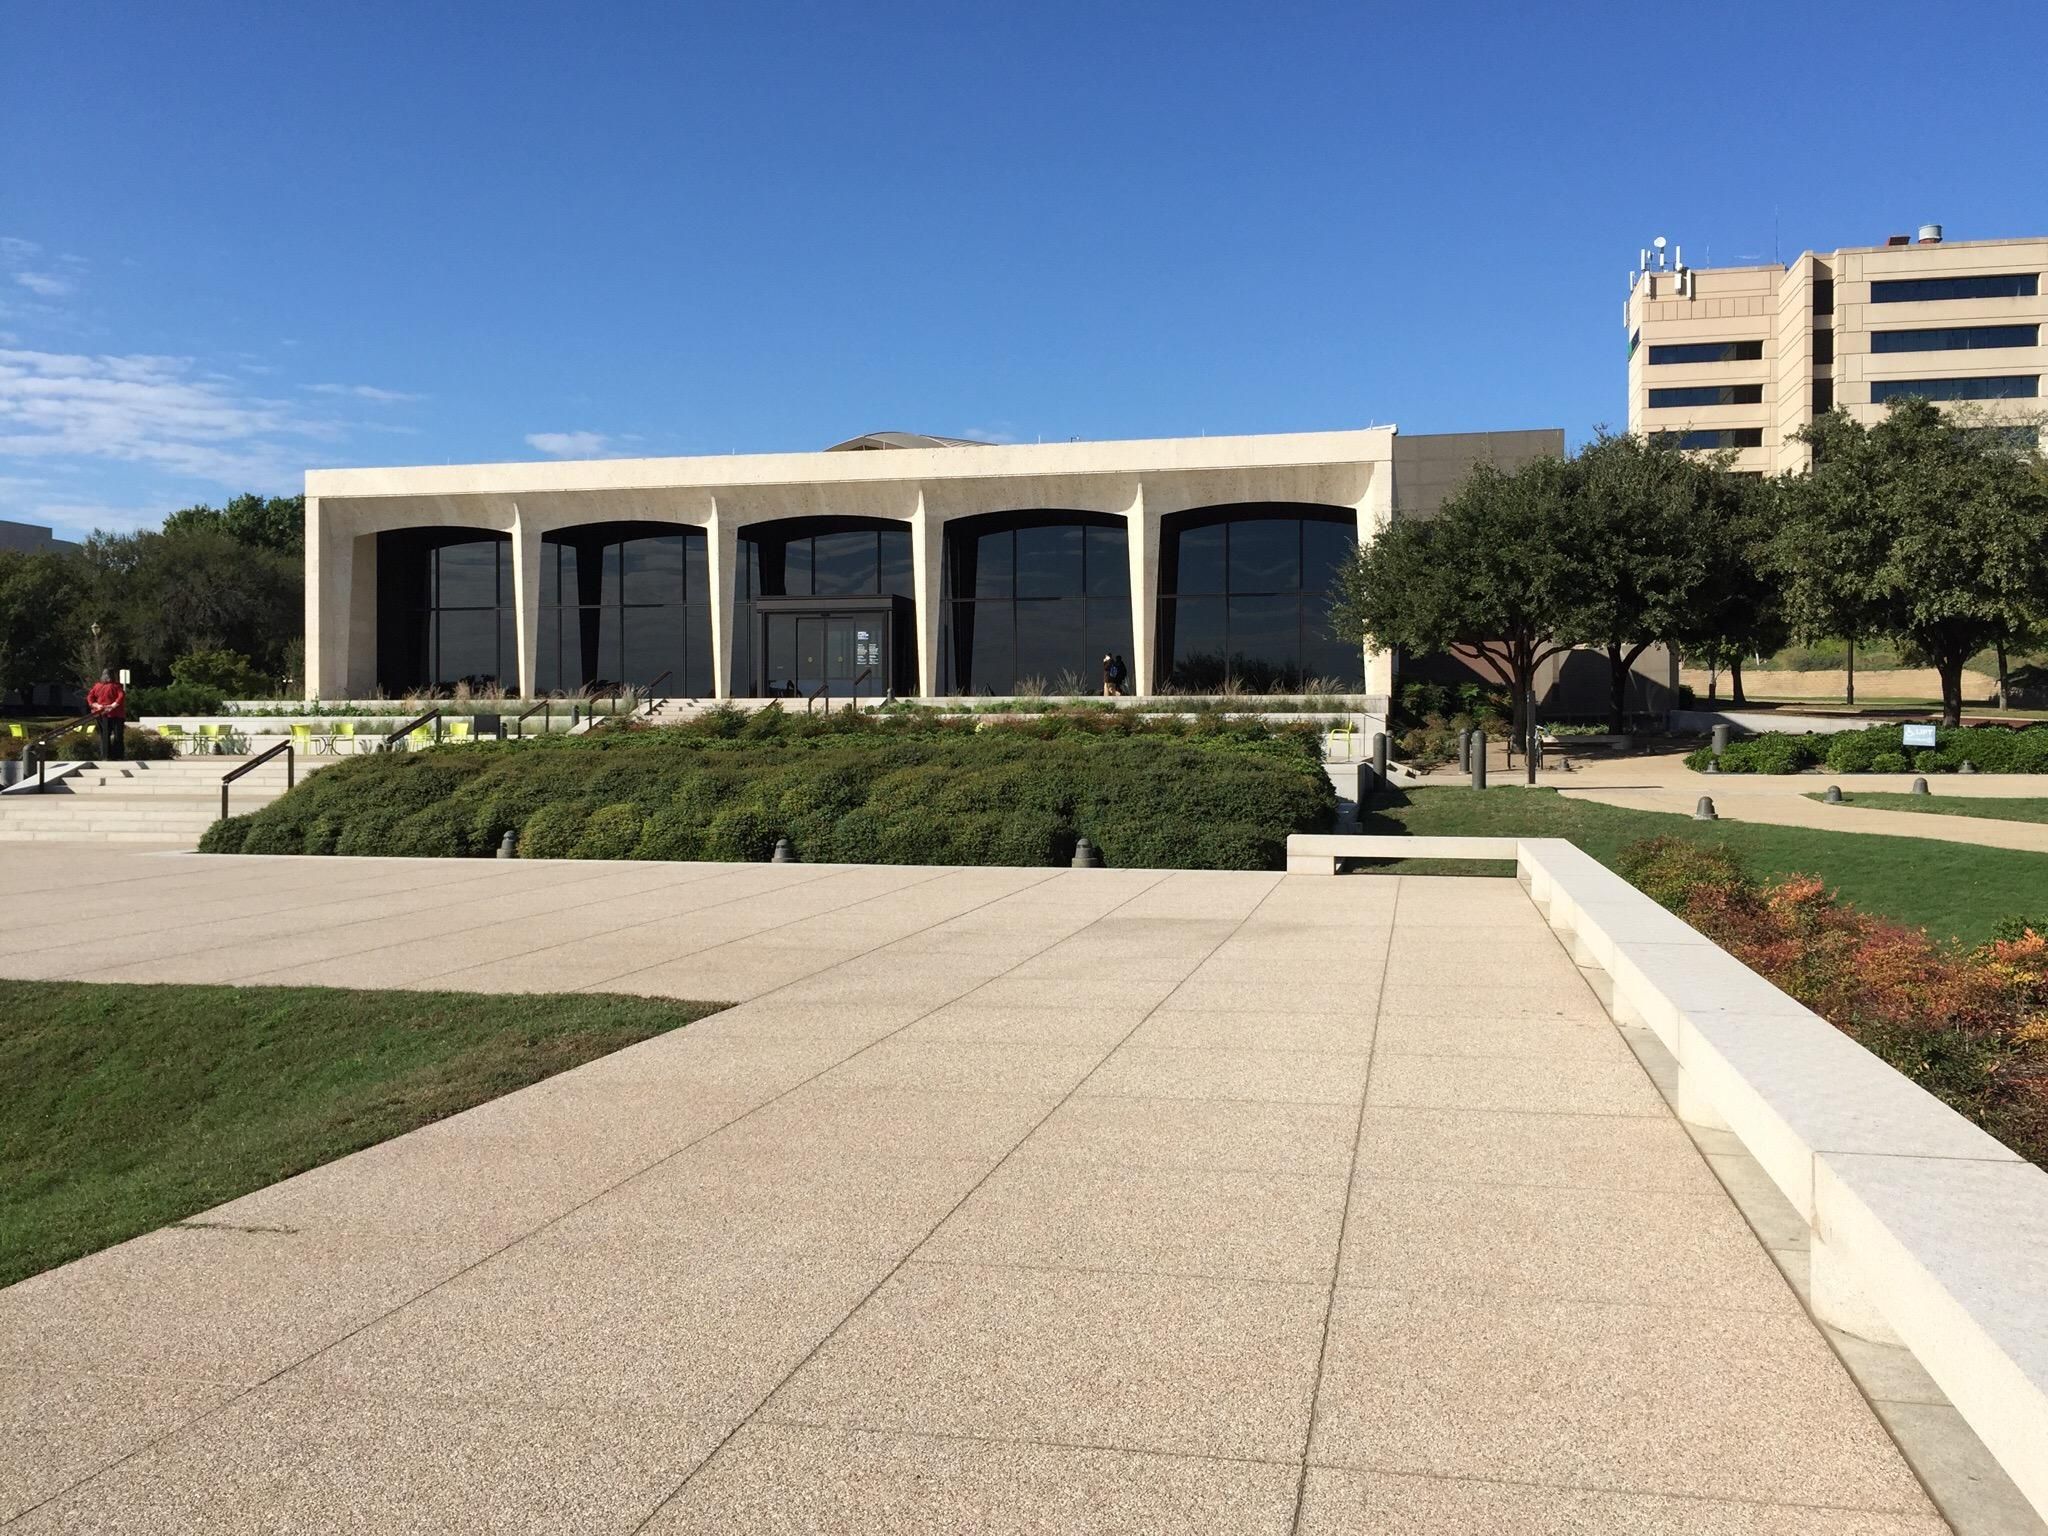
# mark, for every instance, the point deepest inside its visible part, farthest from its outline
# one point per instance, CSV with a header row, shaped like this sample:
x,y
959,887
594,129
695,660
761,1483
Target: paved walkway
x,y
1014,1200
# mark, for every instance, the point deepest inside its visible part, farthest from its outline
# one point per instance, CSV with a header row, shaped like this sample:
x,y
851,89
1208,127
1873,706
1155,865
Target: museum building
x,y
891,563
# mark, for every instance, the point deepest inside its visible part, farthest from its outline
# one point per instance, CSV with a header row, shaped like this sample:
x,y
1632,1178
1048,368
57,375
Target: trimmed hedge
x,y
1206,793
1882,749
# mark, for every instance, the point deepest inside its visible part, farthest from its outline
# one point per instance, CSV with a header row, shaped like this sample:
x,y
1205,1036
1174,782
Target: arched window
x,y
624,603
1245,596
1034,599
445,609
822,559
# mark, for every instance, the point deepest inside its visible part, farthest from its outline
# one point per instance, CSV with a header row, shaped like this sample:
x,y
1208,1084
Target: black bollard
x,y
784,854
1479,759
508,847
1704,811
1085,856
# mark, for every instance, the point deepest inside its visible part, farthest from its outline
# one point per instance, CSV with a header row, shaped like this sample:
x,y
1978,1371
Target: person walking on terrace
x,y
1112,675
107,701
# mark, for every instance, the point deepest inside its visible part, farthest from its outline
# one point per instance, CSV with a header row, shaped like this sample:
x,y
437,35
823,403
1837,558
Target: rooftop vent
x,y
1898,240
1930,234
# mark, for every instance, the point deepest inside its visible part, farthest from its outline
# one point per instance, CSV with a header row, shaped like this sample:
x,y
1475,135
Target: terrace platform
x,y
1006,1200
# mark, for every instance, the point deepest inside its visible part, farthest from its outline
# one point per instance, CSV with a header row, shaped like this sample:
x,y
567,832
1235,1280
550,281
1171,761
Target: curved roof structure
x,y
872,440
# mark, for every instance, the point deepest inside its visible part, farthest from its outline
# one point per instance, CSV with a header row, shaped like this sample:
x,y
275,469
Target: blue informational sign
x,y
1919,736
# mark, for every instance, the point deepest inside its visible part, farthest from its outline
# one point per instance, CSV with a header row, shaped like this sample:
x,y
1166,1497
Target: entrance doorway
x,y
853,647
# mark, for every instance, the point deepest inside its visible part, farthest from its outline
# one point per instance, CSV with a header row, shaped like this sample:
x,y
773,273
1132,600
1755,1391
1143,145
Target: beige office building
x,y
1742,357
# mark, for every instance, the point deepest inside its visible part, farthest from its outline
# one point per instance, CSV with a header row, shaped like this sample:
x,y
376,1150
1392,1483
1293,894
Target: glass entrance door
x,y
848,651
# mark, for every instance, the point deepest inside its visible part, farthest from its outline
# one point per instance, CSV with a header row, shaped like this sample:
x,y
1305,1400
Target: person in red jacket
x,y
108,702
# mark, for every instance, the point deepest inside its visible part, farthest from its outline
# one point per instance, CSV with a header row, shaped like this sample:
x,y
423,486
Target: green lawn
x,y
1990,808
127,1107
1951,889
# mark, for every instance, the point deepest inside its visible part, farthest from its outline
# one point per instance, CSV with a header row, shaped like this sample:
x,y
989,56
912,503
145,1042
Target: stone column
x,y
1375,512
526,551
722,559
357,615
1142,538
927,550
319,668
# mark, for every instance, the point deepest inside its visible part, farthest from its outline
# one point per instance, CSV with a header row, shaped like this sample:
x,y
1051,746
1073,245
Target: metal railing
x,y
547,722
290,772
822,691
646,695
40,747
405,730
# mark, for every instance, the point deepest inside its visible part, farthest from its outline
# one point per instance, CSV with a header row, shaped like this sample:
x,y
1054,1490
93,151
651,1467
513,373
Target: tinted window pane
x,y
654,569
1052,640
1726,437
1109,632
994,565
548,676
1325,656
605,669
2021,386
1265,555
992,664
1824,346
1265,635
1201,559
844,563
469,647
1955,338
1109,564
1823,295
696,569
781,648
694,680
796,568
653,645
468,575
1049,562
1200,642
896,575
1707,394
1326,548
1915,290
550,573
1706,352
610,563
741,677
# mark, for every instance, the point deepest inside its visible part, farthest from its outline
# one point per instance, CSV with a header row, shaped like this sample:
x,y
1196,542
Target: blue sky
x,y
238,241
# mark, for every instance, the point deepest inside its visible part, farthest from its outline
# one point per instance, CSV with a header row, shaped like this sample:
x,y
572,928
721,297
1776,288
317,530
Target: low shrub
x,y
1882,749
1207,792
176,699
1970,1025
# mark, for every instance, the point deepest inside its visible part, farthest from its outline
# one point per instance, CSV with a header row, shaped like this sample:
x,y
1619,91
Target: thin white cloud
x,y
45,285
78,520
570,445
368,392
156,411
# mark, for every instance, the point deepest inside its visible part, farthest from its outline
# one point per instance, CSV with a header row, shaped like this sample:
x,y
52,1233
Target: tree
x,y
193,588
40,621
1736,610
1497,571
1644,545
1928,529
276,523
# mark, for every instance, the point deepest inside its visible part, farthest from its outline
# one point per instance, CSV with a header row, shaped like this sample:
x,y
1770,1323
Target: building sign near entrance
x,y
866,652
1919,736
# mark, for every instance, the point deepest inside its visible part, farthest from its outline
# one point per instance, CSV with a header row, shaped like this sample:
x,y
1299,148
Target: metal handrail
x,y
43,741
523,716
854,689
291,774
412,725
823,690
647,696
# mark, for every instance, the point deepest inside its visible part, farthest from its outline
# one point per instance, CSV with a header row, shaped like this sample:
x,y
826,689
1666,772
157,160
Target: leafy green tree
x,y
40,619
194,588
1737,609
1928,529
1498,572
276,523
1644,545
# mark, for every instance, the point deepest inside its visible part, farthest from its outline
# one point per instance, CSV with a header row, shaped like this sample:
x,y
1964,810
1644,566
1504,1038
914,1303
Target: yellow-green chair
x,y
461,730
210,737
344,730
419,736
302,740
14,730
175,735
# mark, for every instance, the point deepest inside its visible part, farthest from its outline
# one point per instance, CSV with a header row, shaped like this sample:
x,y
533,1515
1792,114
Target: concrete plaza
x,y
1006,1200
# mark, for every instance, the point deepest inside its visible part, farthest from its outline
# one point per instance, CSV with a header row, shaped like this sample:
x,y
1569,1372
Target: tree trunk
x,y
1851,700
2004,686
1735,680
1951,691
1617,689
1713,682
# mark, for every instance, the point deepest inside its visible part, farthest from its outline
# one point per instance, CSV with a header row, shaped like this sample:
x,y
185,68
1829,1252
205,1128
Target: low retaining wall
x,y
1925,1231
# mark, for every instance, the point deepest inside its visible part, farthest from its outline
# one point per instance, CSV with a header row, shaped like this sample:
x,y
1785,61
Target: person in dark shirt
x,y
107,701
1112,675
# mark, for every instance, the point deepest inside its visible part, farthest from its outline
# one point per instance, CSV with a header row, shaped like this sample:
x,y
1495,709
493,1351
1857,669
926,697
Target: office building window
x,y
1713,438
2007,386
1245,596
1956,338
624,604
1823,347
1920,290
1823,396
1034,598
445,613
1705,352
1823,295
1706,394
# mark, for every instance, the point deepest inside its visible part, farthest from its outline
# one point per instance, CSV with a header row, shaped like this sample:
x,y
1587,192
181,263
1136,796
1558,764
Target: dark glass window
x,y
1959,338
1918,290
1635,339
1823,396
1034,599
624,604
1713,438
1706,352
2009,386
812,557
1245,597
1823,295
1706,394
445,610
1823,346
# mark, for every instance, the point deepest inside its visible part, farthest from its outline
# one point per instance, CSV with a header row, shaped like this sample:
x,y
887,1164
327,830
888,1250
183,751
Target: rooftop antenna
x,y
1658,245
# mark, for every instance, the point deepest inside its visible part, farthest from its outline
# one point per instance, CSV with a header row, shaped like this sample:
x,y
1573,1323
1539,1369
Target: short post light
x,y
1705,811
784,854
1085,856
1833,796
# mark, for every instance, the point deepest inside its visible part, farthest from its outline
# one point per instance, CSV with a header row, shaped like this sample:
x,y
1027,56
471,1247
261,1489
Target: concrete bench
x,y
1925,1231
